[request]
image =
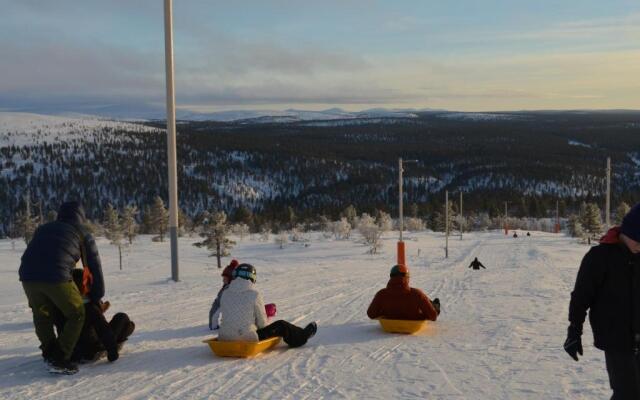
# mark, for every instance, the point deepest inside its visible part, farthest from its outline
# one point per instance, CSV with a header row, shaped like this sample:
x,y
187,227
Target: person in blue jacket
x,y
46,276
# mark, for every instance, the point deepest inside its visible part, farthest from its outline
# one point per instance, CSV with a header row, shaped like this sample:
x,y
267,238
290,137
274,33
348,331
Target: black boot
x,y
311,330
57,364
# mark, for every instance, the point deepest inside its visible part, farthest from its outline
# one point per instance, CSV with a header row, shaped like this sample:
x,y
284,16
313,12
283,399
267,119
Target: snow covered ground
x,y
499,336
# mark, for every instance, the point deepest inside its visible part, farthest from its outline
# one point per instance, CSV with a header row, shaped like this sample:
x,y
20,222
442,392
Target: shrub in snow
x,y
384,221
241,230
414,224
341,229
281,239
371,233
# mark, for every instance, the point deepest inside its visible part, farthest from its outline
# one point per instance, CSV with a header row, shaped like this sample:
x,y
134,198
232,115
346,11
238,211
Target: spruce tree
x,y
592,220
129,224
622,210
215,230
113,229
159,218
26,223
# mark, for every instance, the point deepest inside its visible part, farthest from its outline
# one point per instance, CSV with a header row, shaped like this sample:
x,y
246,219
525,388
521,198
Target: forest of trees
x,y
283,174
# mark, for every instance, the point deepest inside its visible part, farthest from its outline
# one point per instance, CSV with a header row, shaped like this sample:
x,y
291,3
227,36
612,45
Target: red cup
x,y
270,309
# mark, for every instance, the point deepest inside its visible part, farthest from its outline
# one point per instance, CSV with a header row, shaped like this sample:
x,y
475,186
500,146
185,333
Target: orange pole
x,y
401,254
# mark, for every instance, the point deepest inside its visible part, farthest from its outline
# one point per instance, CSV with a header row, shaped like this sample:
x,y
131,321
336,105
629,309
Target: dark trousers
x,y
292,335
624,375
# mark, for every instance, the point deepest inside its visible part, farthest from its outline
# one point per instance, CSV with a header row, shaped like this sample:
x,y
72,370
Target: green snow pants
x,y
48,299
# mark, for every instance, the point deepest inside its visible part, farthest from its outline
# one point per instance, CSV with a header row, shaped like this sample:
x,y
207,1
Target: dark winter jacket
x,y
608,285
476,264
56,248
399,301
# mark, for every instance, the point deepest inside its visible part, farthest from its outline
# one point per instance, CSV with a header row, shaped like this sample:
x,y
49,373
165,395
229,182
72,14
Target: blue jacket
x,y
56,247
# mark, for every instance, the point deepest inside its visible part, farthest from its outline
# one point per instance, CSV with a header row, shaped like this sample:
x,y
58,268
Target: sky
x,y
465,55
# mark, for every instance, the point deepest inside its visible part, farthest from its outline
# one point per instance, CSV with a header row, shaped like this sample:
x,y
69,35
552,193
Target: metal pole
x,y
446,223
171,140
400,196
608,205
506,218
461,227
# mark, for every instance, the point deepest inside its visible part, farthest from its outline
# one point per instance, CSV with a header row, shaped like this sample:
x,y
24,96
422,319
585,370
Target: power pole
x,y
557,216
171,140
446,224
608,204
401,251
506,218
461,225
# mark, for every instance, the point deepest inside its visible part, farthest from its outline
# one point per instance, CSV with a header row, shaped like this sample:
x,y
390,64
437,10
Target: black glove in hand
x,y
436,305
573,344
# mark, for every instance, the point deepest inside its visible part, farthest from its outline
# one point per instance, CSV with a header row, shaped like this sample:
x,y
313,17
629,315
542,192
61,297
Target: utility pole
x,y
506,218
446,224
401,250
171,140
461,217
557,216
608,203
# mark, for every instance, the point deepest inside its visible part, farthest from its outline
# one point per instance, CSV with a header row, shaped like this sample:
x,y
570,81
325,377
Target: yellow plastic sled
x,y
240,348
401,325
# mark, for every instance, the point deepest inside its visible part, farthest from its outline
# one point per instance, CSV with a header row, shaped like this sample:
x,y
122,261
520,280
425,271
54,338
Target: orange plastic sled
x,y
240,348
401,325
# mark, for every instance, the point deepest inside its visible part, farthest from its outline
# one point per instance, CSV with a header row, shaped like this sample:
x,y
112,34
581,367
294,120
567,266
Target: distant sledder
x,y
399,301
244,317
476,264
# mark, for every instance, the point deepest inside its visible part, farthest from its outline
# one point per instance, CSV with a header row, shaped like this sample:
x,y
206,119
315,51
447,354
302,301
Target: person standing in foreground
x,y
46,276
608,285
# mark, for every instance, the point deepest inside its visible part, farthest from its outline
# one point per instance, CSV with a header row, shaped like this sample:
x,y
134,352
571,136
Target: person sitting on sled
x,y
244,317
97,336
476,264
214,312
400,301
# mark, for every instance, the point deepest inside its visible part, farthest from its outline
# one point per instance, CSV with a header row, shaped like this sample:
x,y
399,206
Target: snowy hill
x,y
499,336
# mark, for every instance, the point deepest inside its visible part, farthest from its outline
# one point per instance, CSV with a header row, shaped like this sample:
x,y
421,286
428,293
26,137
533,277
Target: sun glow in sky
x,y
355,54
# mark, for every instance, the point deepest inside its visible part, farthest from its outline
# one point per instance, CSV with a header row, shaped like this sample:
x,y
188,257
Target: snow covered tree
x,y
440,220
241,229
159,218
575,226
26,223
350,214
113,229
414,224
622,210
384,221
265,232
341,229
129,224
371,232
592,220
281,239
215,230
297,233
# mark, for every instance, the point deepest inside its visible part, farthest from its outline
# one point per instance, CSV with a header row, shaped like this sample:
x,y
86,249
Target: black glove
x,y
436,305
573,344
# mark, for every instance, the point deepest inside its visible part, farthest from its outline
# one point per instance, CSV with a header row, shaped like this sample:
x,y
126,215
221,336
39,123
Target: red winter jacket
x,y
399,301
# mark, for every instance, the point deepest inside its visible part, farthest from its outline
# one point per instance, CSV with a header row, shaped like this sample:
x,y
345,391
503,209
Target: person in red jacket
x,y
400,301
